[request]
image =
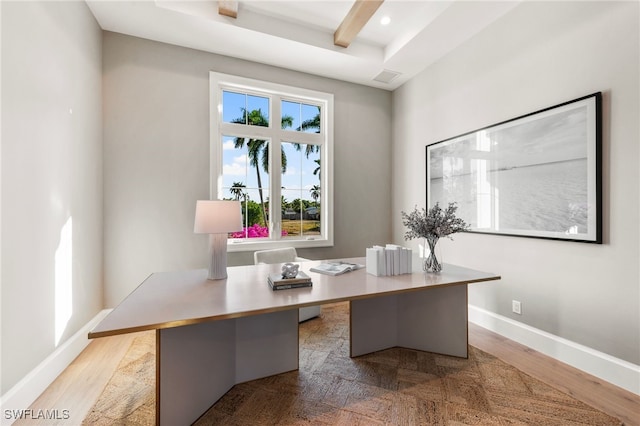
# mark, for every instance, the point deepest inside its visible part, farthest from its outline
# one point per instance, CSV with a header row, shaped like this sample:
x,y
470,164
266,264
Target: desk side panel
x,y
196,367
434,320
374,324
266,345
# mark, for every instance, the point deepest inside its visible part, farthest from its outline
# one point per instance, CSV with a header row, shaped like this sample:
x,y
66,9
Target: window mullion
x,y
275,216
215,149
254,132
299,137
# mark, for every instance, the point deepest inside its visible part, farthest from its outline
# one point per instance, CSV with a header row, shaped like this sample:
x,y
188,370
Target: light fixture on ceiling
x,y
385,20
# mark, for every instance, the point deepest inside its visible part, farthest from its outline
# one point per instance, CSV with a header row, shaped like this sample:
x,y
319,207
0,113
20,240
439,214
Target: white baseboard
x,y
606,367
27,390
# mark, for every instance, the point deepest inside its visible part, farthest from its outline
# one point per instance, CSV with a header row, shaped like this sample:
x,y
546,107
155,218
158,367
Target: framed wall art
x,y
538,175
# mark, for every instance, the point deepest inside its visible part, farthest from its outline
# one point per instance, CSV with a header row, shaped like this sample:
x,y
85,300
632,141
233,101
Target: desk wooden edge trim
x,y
157,386
181,323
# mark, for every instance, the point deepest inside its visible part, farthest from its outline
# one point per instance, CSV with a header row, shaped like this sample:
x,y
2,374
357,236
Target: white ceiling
x,y
299,34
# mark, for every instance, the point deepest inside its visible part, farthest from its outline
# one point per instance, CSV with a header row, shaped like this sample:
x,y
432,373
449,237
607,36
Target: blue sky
x,y
299,177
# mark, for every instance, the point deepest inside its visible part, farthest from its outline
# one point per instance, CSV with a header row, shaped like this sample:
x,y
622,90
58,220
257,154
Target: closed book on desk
x,y
402,259
276,281
289,286
394,253
376,261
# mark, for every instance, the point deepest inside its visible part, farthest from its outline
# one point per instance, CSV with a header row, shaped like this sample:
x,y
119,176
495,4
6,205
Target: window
x,y
271,149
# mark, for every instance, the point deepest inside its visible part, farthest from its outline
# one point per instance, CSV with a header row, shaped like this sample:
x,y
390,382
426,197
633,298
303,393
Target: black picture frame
x,y
538,175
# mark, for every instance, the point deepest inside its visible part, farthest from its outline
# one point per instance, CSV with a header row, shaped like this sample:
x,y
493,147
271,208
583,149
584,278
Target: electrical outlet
x,y
516,307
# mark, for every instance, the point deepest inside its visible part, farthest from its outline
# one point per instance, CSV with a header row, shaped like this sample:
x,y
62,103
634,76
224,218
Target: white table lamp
x,y
217,218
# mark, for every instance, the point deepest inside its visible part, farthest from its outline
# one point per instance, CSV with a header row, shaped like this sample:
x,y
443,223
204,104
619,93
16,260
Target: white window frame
x,y
275,92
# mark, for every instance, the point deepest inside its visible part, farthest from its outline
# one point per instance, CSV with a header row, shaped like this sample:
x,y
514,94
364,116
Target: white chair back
x,y
280,255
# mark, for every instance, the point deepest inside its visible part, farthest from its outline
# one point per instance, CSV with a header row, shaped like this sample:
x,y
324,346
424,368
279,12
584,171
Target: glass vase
x,y
430,262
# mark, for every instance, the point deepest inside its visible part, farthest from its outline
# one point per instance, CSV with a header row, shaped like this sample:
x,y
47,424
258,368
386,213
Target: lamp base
x,y
218,257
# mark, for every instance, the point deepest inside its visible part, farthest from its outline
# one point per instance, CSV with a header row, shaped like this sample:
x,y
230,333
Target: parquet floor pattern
x,y
394,387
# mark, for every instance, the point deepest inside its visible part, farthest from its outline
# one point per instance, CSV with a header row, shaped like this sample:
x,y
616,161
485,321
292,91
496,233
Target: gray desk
x,y
214,334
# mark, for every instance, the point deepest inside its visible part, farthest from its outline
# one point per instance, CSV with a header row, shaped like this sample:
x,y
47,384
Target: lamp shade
x,y
217,217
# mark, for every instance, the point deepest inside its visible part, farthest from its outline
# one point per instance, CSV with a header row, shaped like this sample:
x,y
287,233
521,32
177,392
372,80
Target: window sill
x,y
234,246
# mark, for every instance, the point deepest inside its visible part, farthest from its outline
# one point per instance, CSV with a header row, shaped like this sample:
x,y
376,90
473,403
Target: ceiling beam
x,y
358,16
228,8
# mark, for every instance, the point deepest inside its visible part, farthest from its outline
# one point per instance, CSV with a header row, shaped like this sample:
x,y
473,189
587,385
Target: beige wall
x,y
538,55
156,158
51,179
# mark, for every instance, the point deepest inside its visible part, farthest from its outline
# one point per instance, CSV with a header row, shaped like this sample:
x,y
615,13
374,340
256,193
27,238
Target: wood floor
x,y
79,386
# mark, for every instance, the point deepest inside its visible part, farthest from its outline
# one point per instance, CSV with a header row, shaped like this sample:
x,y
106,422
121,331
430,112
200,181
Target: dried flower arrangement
x,y
433,225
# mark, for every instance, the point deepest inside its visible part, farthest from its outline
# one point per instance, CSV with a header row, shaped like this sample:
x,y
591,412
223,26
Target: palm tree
x,y
238,190
258,149
315,192
312,123
317,170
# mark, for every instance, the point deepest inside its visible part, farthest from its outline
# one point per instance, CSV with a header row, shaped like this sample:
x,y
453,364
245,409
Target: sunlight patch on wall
x,y
64,280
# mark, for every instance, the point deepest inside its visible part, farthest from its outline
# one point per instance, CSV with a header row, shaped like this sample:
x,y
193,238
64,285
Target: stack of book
x,y
278,282
389,260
